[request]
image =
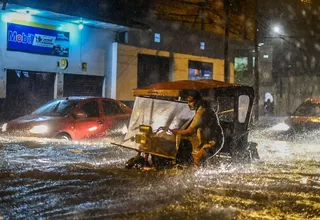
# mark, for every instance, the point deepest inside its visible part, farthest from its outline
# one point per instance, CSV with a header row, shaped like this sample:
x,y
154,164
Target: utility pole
x,y
256,67
226,42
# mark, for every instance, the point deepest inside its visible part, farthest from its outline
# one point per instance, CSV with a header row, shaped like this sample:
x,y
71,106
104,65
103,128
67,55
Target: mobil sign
x,y
37,40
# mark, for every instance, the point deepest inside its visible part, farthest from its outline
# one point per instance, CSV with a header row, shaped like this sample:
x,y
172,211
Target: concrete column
x,y
3,82
58,85
111,69
114,70
3,73
171,66
104,86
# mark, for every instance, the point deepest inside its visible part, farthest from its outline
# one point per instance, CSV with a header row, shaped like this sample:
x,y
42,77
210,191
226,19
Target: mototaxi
x,y
163,106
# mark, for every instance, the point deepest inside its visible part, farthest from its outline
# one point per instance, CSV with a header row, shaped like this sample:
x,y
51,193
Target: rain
x,y
86,86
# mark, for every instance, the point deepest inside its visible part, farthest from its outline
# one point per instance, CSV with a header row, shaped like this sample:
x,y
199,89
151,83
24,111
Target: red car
x,y
73,118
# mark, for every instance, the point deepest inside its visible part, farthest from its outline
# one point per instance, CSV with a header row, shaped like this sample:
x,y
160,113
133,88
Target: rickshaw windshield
x,y
157,113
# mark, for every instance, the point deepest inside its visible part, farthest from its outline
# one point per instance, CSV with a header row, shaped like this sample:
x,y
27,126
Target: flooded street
x,y
235,81
77,180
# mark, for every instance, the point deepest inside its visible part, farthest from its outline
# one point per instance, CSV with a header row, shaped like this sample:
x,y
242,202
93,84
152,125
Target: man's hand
x,y
174,131
183,132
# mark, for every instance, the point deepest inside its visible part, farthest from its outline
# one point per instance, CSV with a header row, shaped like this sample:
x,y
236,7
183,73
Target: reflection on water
x,y
76,180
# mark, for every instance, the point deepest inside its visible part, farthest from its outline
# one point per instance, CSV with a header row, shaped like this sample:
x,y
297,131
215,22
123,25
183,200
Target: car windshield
x,y
57,108
308,109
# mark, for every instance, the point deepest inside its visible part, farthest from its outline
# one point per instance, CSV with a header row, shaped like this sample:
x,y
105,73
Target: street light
x,y
80,26
276,29
278,65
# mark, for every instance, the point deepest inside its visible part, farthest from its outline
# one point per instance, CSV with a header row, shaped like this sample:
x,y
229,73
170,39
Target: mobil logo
x,y
25,38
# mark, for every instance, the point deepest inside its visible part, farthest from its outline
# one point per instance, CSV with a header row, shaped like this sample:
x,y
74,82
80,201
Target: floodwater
x,y
45,179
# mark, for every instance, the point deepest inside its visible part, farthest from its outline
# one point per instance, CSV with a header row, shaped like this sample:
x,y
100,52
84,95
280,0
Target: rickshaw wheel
x,y
242,157
184,154
161,162
135,162
252,147
246,155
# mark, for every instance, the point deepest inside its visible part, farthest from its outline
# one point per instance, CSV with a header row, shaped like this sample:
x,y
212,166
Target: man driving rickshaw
x,y
163,127
204,126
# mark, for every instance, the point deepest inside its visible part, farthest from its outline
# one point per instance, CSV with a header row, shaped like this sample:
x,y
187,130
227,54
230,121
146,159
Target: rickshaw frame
x,y
236,144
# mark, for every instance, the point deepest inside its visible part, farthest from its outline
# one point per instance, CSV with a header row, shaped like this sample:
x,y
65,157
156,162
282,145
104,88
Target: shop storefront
x,y
79,85
26,90
42,58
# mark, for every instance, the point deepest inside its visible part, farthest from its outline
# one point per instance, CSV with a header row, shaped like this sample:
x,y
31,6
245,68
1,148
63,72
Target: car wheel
x,y
246,155
290,132
253,151
64,136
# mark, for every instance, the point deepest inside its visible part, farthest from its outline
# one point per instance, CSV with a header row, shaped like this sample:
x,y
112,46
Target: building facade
x,y
167,52
50,56
46,55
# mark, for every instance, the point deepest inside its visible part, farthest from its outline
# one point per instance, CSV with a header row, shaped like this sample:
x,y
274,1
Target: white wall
x,y
88,45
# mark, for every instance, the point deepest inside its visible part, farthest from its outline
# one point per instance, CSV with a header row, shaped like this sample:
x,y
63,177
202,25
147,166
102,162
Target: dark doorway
x,y
80,85
26,91
152,69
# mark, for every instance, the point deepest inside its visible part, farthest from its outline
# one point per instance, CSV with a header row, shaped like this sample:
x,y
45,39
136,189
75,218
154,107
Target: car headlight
x,y
281,127
4,127
39,129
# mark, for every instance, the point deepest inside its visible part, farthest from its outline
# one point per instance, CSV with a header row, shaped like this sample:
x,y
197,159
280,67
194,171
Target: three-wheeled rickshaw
x,y
163,106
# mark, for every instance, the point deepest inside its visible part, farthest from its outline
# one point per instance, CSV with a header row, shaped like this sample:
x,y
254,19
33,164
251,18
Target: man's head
x,y
194,98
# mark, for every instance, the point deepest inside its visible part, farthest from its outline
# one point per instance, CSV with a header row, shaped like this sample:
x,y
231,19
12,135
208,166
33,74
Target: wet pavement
x,y
46,179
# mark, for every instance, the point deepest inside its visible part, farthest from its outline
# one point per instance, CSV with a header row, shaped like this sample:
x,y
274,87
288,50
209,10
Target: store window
x,y
157,37
202,45
200,70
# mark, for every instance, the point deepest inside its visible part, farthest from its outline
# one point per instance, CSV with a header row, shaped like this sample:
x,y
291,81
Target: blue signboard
x,y
37,40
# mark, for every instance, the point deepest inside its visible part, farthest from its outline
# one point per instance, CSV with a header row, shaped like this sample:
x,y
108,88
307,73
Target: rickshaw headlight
x,y
145,129
141,139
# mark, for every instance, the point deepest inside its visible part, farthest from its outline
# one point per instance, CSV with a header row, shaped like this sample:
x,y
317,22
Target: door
x,y
82,85
152,69
116,120
225,108
26,91
92,125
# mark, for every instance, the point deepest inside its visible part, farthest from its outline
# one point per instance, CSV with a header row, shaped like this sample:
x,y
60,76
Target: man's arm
x,y
194,124
186,131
